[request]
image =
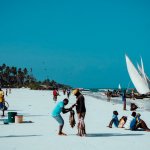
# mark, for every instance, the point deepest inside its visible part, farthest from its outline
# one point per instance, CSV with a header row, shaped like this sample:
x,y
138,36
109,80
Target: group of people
x,y
67,91
56,93
80,110
118,93
133,122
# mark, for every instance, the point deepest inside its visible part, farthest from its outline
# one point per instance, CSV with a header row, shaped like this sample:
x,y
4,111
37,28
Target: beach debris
x,y
133,107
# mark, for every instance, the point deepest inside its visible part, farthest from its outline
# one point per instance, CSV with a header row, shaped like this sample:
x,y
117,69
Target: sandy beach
x,y
41,134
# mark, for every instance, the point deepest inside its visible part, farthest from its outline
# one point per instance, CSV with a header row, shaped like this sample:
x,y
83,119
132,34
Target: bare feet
x,y
109,126
62,134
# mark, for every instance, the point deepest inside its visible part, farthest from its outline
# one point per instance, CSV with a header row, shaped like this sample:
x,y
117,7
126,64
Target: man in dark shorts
x,y
80,107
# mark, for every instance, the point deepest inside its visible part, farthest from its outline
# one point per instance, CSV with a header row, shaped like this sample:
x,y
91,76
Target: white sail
x,y
139,69
119,87
144,76
143,72
136,78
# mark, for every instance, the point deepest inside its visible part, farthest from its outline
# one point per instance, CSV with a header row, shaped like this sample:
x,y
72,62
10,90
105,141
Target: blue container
x,y
6,121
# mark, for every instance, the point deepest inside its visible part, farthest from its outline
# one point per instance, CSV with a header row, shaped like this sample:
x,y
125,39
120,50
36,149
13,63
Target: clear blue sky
x,y
81,43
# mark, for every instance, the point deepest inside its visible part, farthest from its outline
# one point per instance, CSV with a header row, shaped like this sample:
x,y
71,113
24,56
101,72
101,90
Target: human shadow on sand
x,y
13,110
18,136
110,134
28,115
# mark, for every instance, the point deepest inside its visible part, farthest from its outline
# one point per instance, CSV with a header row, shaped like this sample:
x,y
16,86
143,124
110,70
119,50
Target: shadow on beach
x,y
12,110
15,136
28,115
110,134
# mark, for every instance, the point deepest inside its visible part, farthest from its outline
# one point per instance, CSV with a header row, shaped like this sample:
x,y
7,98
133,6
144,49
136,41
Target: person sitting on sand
x,y
141,123
56,114
131,122
117,123
114,120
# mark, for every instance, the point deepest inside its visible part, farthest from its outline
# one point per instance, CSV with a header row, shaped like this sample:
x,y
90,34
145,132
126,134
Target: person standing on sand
x,y
68,93
55,94
132,94
124,99
9,90
108,95
80,108
64,91
56,114
6,91
2,100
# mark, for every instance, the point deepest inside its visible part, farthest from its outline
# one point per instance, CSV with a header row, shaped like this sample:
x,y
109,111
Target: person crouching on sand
x,y
56,114
81,111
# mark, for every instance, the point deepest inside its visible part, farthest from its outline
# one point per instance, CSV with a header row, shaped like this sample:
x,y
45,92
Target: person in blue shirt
x,y
131,122
114,120
56,114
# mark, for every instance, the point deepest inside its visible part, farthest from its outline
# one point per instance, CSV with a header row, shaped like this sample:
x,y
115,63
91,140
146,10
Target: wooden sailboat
x,y
138,81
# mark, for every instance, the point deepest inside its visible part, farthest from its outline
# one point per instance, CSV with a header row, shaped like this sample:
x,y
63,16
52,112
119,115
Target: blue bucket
x,y
6,121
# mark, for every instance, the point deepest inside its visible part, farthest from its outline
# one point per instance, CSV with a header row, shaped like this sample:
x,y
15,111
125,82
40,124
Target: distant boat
x,y
119,87
138,80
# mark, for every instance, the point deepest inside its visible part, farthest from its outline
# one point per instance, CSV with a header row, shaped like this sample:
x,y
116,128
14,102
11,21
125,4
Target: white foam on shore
x,y
36,106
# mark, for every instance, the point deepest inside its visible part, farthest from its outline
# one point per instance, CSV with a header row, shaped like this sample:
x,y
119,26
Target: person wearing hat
x,y
56,114
80,107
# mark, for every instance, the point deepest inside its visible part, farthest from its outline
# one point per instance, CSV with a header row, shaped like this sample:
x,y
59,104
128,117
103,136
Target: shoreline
x,y
143,104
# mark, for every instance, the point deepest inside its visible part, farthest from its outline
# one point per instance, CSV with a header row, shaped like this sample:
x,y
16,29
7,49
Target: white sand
x,y
36,106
